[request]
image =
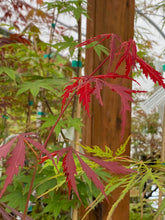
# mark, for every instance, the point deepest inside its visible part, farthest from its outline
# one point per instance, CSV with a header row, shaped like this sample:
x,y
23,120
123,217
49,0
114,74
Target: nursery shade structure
x,y
104,126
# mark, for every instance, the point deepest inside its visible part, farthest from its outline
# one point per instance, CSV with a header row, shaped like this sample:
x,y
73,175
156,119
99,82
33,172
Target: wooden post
x,y
104,126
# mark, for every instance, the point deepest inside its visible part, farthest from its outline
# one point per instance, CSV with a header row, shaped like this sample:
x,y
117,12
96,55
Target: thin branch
x,y
151,22
47,104
31,148
30,191
147,196
59,117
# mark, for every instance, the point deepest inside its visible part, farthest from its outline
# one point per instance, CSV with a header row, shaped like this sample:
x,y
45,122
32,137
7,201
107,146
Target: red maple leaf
x,y
113,48
99,38
150,71
17,155
86,86
126,99
127,53
69,168
84,93
97,89
91,175
68,90
112,166
14,38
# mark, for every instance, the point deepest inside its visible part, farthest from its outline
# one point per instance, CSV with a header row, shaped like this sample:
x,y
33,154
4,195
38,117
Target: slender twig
x,y
31,148
78,110
100,66
54,21
30,191
78,70
78,105
51,112
70,28
151,22
59,117
28,120
147,196
47,104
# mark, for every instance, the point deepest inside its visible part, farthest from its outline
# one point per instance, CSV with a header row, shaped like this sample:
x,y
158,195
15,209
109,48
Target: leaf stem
x,y
59,117
31,148
100,66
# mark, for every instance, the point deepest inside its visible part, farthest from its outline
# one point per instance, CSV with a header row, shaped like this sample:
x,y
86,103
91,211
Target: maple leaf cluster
x,y
18,12
69,168
17,155
16,159
86,86
8,7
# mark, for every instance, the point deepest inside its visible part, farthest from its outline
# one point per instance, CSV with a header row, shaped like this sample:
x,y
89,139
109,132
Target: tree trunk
x,y
104,126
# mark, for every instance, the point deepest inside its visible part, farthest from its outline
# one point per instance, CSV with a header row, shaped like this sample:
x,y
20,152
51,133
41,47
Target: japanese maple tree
x,y
67,162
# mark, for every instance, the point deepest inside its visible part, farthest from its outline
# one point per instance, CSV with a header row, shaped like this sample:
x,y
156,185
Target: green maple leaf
x,y
15,198
10,72
34,87
57,204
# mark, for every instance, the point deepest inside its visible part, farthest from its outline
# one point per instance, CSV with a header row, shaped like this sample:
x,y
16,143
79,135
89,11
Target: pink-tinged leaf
x,y
14,38
150,71
115,76
112,47
5,149
127,53
134,52
41,148
19,38
30,134
130,50
97,89
69,168
62,151
14,211
17,155
126,99
91,175
100,38
128,61
84,93
112,166
4,214
15,161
